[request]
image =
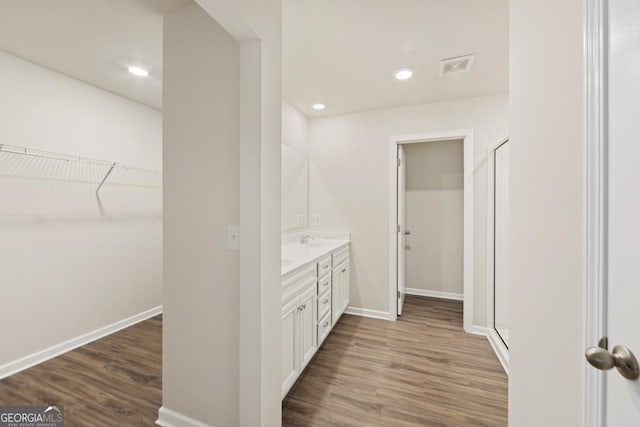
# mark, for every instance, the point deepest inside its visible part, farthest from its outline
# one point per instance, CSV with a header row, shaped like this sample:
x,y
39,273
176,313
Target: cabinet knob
x,y
344,270
325,301
325,324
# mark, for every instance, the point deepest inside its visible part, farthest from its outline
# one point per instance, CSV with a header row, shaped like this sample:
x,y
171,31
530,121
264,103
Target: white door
x,y
402,231
344,286
623,252
339,291
308,326
290,350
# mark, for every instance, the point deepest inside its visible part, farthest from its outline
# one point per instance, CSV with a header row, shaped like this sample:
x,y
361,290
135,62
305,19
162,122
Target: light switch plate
x,y
233,237
316,219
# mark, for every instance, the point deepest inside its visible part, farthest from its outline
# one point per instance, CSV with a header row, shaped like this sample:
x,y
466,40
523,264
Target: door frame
x,y
594,210
469,179
496,342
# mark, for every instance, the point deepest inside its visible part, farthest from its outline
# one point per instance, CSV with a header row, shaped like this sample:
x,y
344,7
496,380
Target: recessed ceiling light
x,y
318,107
137,71
403,73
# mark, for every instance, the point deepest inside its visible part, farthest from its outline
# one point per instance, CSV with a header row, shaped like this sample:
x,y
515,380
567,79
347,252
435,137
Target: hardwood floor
x,y
422,370
115,381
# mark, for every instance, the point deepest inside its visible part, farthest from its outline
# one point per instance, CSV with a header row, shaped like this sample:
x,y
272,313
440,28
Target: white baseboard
x,y
499,349
169,418
58,349
478,330
496,344
433,294
365,312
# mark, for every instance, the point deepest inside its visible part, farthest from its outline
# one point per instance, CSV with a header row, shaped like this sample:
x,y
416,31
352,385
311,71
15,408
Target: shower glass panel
x,y
501,239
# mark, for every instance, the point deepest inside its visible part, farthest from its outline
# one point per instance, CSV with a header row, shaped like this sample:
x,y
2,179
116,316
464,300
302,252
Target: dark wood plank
x,y
422,370
115,381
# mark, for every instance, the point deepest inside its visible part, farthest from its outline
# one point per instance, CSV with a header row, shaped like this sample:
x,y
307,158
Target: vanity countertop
x,y
296,254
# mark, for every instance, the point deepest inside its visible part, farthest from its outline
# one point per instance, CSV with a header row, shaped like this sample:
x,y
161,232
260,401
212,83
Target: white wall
x,y
74,271
434,208
258,24
201,198
295,128
295,169
349,183
546,359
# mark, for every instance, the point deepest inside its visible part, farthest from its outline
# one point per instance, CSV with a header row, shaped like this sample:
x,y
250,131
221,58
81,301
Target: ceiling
x,y
92,40
343,52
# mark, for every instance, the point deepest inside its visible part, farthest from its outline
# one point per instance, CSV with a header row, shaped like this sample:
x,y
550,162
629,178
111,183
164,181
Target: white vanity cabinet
x,y
299,334
340,284
314,296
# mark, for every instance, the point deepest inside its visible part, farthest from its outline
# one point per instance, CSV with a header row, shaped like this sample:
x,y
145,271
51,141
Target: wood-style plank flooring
x,y
422,370
113,382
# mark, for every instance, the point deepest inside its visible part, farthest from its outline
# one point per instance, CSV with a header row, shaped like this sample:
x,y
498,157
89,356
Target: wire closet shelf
x,y
32,164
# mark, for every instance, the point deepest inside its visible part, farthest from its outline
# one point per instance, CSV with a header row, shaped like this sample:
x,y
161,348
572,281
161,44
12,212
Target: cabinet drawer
x,y
324,284
324,327
324,267
341,256
293,286
324,305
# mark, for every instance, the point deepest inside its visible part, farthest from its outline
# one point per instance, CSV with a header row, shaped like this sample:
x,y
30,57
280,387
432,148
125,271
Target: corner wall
x,y
349,183
546,359
201,198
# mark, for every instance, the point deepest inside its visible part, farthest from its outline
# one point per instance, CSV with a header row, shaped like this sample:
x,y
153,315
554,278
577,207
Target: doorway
x,y
430,210
398,231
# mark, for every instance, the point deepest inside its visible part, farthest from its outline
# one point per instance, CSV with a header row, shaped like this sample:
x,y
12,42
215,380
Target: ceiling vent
x,y
459,64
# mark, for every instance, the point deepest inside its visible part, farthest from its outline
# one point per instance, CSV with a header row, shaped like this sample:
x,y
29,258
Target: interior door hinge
x,y
399,162
399,228
398,294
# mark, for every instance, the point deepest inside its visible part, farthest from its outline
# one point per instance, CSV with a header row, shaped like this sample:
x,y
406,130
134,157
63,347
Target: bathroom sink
x,y
315,243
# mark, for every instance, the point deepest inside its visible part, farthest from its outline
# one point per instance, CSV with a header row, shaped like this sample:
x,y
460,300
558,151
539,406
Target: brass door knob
x,y
621,358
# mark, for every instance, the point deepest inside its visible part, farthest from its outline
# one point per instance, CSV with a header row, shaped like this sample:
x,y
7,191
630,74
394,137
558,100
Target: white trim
x,y
365,312
478,330
595,298
467,136
499,349
33,359
170,418
434,294
501,352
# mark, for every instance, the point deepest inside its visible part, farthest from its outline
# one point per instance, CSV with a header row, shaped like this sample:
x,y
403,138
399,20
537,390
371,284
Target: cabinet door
x,y
290,357
335,295
308,325
344,287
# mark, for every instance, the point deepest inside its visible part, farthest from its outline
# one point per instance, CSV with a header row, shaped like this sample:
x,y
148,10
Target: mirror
x,y
295,167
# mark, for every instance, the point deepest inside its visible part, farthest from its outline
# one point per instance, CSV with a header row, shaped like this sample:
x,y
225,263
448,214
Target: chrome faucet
x,y
304,239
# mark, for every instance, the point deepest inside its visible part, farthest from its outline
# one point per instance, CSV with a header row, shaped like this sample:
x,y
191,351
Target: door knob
x,y
407,233
621,358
